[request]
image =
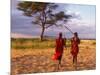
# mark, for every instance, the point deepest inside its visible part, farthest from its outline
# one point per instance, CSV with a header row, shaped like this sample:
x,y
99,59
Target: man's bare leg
x,y
59,64
75,62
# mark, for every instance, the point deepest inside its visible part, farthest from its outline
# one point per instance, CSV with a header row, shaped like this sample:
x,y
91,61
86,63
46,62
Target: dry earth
x,y
40,60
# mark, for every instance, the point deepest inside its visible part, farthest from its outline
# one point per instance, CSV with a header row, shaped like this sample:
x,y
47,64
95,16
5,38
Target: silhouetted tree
x,y
44,14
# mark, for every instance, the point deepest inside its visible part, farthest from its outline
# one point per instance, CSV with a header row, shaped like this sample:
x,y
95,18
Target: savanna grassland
x,y
34,56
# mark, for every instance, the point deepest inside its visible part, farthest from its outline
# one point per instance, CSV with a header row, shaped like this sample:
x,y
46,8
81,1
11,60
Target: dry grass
x,y
40,60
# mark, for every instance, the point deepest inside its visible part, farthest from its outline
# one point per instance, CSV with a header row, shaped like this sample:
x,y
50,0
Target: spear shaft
x,y
69,29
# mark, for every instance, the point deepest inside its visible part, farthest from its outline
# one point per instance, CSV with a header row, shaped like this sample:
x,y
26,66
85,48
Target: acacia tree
x,y
44,14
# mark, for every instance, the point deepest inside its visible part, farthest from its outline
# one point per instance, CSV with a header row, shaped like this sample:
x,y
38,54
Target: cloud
x,y
78,19
75,15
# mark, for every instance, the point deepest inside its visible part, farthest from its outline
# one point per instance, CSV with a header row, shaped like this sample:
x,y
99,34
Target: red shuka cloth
x,y
74,46
59,48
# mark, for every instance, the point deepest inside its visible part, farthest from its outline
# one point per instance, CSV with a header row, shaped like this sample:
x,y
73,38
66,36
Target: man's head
x,y
60,34
75,34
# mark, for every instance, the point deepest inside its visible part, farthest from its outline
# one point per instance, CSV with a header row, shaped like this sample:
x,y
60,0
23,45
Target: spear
x,y
69,29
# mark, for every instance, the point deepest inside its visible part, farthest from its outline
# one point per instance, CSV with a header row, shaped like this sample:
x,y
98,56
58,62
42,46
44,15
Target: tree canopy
x,y
44,14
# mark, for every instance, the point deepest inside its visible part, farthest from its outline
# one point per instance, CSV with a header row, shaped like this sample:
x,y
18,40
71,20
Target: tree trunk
x,y
42,34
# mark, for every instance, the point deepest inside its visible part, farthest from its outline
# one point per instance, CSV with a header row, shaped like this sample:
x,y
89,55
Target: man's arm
x,y
65,42
78,41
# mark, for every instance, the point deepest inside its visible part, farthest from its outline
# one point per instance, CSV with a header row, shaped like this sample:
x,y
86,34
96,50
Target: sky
x,y
83,22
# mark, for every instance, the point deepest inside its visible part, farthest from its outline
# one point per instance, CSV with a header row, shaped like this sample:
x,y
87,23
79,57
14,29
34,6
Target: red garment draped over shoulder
x,y
74,46
59,49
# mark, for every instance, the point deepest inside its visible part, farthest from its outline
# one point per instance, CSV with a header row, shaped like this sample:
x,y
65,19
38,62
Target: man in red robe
x,y
60,43
75,41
